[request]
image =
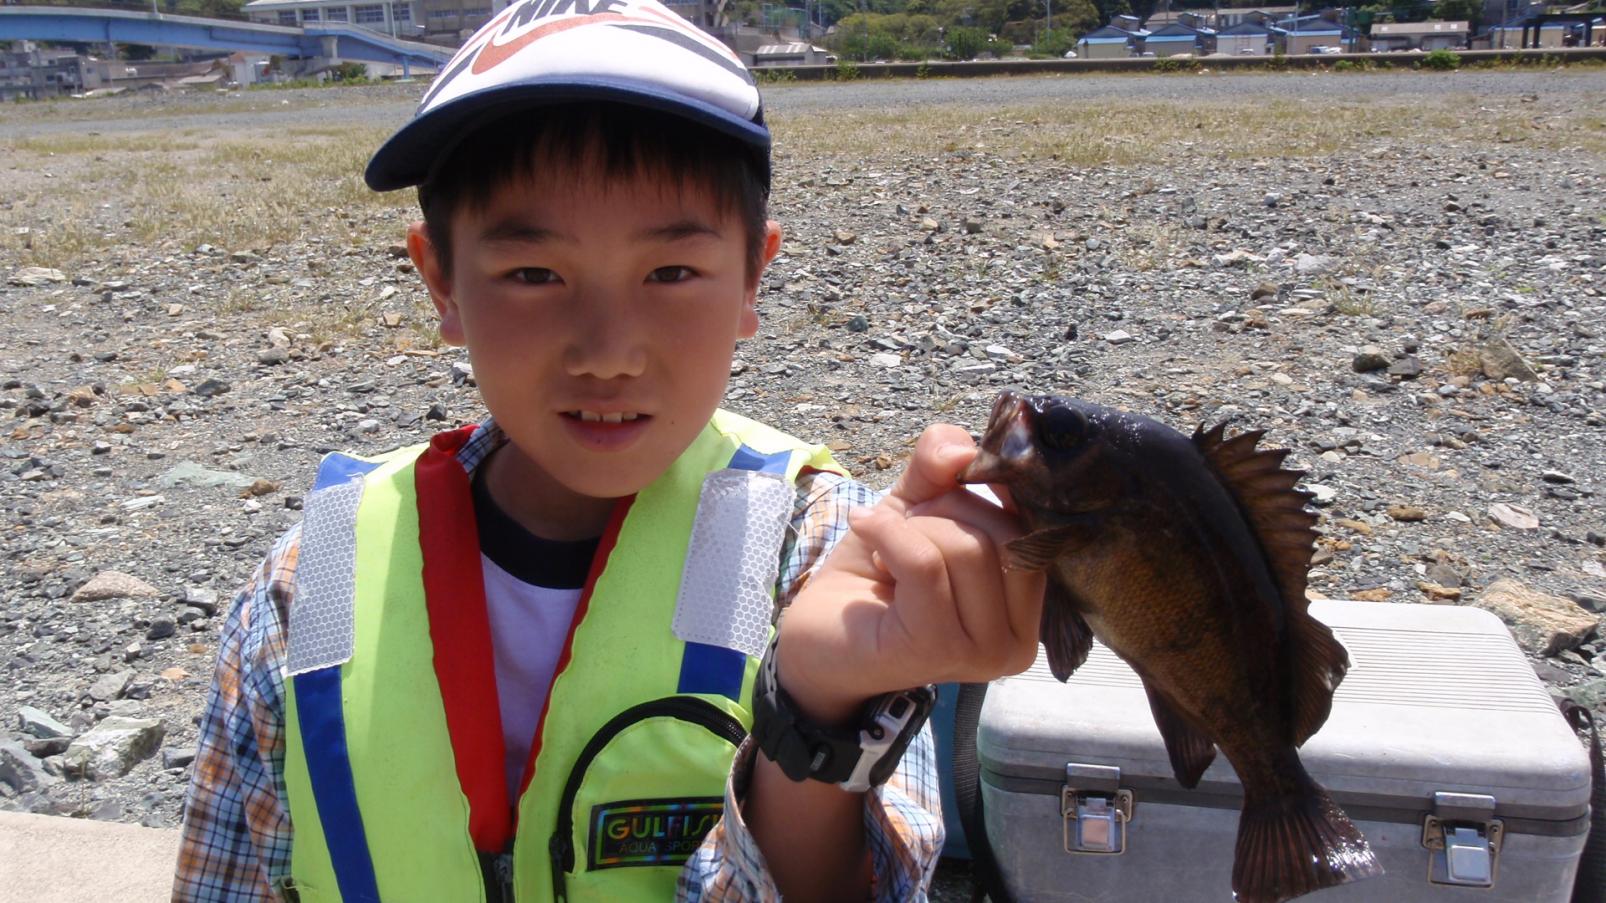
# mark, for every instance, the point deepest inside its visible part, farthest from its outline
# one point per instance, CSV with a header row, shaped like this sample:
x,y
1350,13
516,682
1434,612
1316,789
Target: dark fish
x,y
1188,559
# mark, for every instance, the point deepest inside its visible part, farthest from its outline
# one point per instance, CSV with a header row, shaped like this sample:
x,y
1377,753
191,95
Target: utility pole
x,y
1048,14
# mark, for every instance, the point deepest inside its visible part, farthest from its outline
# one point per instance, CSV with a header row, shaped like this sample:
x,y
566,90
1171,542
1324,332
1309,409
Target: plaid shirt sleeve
x,y
902,819
235,843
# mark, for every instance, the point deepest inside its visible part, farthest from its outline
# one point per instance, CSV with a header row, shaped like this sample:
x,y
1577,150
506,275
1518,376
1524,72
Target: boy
x,y
533,659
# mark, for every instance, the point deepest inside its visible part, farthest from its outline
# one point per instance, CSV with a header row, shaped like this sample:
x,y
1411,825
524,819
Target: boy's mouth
x,y
600,417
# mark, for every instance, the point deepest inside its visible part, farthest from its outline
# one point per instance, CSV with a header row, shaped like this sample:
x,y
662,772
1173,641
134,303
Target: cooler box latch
x,y
1095,809
1463,840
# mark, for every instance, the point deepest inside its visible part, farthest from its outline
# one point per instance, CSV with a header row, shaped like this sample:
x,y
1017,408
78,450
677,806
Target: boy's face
x,y
600,316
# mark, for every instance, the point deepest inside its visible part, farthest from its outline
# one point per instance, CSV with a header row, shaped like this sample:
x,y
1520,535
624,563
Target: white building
x,y
398,18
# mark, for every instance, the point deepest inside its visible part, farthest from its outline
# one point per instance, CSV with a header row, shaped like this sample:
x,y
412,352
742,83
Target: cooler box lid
x,y
1438,699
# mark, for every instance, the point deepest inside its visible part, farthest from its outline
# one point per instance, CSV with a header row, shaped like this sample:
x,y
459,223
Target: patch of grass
x,y
775,76
1442,60
846,70
178,191
1175,64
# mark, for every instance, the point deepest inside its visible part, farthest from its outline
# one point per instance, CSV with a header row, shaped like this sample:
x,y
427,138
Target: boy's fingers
x,y
913,561
941,453
1023,589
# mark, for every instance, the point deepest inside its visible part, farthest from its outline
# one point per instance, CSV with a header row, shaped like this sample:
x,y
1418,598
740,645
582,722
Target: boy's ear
x,y
772,246
428,262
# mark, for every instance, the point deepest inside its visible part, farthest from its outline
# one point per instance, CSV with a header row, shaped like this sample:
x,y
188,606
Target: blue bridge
x,y
105,26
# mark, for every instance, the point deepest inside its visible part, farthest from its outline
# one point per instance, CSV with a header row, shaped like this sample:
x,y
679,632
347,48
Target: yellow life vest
x,y
393,767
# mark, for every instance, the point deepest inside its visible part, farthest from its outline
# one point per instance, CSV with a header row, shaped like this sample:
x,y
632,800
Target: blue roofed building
x,y
1108,43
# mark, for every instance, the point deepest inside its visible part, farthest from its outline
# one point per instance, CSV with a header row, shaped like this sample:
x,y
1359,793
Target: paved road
x,y
386,106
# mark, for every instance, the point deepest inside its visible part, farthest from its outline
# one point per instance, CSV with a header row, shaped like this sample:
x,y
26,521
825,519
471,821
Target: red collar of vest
x,y
460,632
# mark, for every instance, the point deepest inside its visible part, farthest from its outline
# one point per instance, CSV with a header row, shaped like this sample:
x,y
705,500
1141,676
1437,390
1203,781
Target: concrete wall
x,y
1233,44
1162,49
1104,51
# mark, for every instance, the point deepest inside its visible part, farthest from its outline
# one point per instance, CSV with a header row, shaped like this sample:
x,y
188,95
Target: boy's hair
x,y
620,142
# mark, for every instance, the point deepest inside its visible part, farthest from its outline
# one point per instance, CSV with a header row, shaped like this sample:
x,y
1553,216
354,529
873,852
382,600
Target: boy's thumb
x,y
942,451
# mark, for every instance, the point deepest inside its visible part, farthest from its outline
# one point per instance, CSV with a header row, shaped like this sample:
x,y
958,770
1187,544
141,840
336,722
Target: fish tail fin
x,y
1290,844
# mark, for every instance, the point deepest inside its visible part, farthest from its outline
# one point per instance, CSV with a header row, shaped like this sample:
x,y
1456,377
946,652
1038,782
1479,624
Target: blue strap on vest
x,y
715,670
323,732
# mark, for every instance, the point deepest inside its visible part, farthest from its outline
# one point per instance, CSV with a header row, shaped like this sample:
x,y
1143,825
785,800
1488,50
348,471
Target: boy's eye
x,y
670,274
535,275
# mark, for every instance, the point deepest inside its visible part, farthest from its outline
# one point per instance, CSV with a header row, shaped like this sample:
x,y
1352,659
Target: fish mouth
x,y
1006,443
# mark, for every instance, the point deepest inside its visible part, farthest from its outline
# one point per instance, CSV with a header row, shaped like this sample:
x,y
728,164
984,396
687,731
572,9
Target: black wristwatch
x,y
853,758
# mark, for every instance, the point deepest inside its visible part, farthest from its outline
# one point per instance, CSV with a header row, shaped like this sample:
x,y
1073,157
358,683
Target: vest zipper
x,y
503,866
685,708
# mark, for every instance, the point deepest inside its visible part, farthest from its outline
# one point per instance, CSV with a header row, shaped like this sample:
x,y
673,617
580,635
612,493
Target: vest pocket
x,y
645,790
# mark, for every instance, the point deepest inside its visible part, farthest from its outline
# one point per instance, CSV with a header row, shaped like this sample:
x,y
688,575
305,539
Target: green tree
x,y
963,43
1459,11
1077,17
1109,9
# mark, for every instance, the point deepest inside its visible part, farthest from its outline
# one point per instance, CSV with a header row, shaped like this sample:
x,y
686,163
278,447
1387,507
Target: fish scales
x,y
1187,558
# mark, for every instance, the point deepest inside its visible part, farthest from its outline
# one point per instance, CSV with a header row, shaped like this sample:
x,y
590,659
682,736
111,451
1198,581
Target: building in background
x,y
1108,43
1387,36
441,21
30,72
1244,39
795,54
1179,39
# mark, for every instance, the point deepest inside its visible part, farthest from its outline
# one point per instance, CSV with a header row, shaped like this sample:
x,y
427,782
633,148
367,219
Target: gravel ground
x,y
1397,275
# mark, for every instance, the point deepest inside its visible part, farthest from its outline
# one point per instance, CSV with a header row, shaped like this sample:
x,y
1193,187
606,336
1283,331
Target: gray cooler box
x,y
1442,746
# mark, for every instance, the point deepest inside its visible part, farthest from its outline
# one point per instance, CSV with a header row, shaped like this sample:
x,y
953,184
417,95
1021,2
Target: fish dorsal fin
x,y
1286,531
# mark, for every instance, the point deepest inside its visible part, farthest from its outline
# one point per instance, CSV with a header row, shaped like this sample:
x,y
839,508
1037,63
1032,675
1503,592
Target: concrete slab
x,y
51,859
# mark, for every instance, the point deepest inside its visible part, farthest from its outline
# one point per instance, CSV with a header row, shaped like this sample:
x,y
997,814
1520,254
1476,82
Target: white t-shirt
x,y
532,587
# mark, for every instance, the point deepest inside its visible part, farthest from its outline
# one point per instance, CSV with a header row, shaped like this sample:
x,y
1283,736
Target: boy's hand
x,y
915,594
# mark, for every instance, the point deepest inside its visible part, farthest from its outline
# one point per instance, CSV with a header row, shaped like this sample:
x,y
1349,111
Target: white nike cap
x,y
542,52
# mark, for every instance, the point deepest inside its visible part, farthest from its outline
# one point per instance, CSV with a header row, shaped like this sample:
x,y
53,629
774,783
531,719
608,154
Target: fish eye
x,y
1061,428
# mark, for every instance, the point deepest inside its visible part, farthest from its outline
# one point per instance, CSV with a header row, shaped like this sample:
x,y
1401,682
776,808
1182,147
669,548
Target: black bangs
x,y
617,141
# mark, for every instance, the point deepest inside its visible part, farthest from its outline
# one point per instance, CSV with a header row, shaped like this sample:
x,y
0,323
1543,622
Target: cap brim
x,y
410,156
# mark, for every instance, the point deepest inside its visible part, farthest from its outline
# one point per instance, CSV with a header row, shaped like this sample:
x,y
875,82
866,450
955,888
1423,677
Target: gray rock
x,y
177,757
38,723
1118,337
20,770
190,473
162,627
32,277
1368,359
973,224
113,747
1500,360
211,388
1312,264
202,598
273,356
111,686
113,585
885,359
1407,367
858,323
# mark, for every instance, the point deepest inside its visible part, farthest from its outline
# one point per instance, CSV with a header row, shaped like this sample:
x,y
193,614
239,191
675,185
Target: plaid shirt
x,y
237,833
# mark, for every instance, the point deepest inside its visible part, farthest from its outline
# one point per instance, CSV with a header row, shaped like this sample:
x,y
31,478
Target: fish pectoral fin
x,y
1191,752
1036,551
1320,663
1064,633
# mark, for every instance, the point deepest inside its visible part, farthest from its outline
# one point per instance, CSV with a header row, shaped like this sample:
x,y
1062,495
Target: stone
x,y
973,225
1499,360
202,598
1514,516
176,757
190,473
110,686
113,747
1118,337
211,388
858,323
1407,513
1590,694
113,585
33,277
162,627
1557,477
885,359
1312,264
1264,290
38,723
1542,623
844,237
273,356
1407,367
1368,359
21,771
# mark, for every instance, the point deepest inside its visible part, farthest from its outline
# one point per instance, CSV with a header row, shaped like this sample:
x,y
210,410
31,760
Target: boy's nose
x,y
607,340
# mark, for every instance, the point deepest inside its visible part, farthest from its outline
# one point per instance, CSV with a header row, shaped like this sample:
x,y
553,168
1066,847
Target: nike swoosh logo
x,y
495,54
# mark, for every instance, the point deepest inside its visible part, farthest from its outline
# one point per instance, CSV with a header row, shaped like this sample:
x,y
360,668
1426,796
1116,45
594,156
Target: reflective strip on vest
x,y
620,653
